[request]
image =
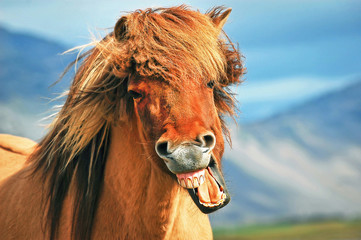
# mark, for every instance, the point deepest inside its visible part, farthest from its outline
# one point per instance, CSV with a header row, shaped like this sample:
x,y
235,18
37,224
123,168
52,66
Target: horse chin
x,y
206,187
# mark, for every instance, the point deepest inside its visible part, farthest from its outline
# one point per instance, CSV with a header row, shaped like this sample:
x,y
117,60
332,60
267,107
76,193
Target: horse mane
x,y
155,43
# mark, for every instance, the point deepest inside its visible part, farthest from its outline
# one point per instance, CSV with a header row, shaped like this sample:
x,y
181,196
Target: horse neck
x,y
138,197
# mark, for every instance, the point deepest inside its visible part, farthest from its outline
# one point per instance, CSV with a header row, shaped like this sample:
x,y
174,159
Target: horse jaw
x,y
206,187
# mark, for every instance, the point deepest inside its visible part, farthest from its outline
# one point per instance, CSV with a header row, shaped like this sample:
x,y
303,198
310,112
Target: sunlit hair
x,y
176,45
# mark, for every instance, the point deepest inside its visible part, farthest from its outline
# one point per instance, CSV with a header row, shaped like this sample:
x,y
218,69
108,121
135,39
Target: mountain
x,y
301,163
29,65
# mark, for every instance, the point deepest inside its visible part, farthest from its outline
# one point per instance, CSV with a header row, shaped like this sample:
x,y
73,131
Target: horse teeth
x,y
191,180
189,183
215,204
195,182
183,183
201,179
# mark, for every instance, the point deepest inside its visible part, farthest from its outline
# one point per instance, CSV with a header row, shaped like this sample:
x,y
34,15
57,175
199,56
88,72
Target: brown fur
x,y
13,153
96,174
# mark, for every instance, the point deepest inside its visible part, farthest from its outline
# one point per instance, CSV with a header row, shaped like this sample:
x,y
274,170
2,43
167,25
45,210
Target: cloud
x,y
330,57
264,98
282,89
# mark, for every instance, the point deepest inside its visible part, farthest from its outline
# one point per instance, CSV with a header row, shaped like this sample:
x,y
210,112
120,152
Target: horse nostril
x,y
208,140
162,149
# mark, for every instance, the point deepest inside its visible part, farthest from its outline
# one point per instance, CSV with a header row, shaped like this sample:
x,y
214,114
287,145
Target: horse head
x,y
184,128
180,107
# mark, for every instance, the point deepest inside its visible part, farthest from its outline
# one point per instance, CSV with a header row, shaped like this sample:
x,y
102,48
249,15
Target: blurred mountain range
x,y
29,65
303,162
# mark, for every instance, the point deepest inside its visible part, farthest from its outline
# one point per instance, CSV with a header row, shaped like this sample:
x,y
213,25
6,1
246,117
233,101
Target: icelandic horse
x,y
135,151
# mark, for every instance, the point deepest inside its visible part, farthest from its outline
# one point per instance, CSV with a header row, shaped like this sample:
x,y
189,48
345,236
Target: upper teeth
x,y
192,181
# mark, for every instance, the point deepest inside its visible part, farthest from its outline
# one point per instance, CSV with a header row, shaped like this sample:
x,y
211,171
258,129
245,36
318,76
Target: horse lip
x,y
217,175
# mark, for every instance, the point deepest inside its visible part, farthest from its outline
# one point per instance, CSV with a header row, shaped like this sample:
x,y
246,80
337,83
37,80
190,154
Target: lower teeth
x,y
214,204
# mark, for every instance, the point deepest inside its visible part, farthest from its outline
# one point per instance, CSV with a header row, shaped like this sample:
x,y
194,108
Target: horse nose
x,y
187,156
162,149
206,141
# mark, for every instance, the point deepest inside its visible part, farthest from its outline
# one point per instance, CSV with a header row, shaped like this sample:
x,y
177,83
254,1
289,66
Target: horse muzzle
x,y
197,171
185,157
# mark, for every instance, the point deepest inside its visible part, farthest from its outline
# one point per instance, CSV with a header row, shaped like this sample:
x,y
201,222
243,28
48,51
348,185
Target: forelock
x,y
170,43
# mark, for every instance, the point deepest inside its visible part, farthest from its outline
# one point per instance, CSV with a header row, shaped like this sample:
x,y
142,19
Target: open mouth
x,y
206,187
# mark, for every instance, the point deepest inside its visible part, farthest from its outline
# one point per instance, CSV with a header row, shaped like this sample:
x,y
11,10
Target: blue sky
x,y
294,50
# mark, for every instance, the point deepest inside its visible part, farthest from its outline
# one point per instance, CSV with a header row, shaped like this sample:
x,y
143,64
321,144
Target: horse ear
x,y
220,20
120,28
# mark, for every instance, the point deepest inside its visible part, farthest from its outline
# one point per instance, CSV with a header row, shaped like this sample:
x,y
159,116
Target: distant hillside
x,y
29,65
303,162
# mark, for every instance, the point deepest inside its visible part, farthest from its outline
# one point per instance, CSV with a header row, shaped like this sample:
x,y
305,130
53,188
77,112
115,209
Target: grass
x,y
323,230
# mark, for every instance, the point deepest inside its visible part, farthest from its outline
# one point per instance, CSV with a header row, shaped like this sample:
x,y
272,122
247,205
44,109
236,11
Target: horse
x,y
135,150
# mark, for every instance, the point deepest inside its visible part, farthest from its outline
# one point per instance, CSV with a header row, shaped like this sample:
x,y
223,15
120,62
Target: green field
x,y
323,230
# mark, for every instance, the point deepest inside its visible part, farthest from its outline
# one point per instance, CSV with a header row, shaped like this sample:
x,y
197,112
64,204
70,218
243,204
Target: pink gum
x,y
191,175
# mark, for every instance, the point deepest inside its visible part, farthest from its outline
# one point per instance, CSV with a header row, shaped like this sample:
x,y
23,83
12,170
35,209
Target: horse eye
x,y
210,84
134,94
